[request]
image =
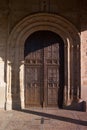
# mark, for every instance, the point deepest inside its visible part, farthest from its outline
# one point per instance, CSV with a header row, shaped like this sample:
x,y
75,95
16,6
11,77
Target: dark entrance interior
x,y
44,69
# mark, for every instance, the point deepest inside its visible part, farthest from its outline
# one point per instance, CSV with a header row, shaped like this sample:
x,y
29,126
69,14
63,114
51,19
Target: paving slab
x,y
43,119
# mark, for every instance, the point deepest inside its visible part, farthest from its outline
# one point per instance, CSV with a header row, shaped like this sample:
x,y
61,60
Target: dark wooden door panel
x,y
33,78
52,85
33,85
52,69
42,75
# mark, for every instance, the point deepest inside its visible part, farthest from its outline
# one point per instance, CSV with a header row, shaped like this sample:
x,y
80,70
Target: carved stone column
x,y
69,53
8,95
76,73
66,92
22,84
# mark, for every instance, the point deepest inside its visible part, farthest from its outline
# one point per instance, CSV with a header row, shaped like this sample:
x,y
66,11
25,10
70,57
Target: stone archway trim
x,y
15,52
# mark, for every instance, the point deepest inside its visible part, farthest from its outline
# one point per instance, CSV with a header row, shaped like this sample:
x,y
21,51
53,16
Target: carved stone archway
x,y
15,56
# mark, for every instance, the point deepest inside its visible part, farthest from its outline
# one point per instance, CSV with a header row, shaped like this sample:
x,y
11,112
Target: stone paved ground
x,y
43,119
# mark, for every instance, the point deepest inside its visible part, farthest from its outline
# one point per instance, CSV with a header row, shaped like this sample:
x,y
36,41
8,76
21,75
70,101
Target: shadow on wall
x,y
15,86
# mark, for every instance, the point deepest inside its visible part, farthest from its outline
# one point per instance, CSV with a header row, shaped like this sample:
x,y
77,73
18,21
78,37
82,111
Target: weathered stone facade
x,y
18,20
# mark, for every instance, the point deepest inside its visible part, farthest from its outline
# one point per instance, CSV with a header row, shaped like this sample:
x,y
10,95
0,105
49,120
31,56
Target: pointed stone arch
x,y
15,56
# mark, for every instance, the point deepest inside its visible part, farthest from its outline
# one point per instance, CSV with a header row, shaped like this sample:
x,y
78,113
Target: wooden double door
x,y
41,72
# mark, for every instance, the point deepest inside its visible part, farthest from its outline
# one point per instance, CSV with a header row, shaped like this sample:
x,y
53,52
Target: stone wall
x,y
84,57
12,11
19,9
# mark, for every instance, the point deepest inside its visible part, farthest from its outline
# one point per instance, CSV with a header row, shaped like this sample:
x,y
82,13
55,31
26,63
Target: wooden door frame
x,y
15,56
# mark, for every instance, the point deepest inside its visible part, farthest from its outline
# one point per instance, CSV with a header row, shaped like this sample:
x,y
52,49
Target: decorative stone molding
x,y
15,54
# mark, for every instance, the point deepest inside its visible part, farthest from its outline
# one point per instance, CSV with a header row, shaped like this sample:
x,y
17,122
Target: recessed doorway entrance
x,y
44,69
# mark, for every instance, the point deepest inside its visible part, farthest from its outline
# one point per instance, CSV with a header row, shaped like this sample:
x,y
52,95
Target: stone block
x,y
2,95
